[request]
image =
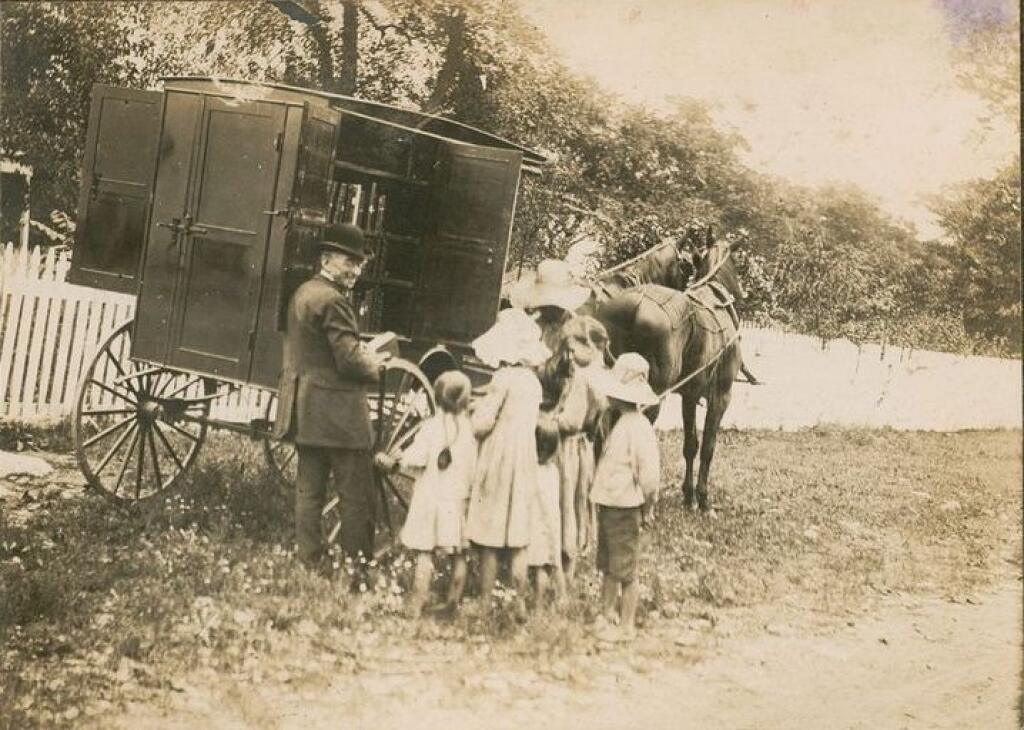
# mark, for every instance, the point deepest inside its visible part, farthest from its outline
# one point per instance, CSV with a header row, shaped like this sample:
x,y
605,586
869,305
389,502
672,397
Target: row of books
x,y
359,203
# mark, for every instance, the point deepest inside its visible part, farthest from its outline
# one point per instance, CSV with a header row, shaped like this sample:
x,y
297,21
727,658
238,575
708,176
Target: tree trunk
x,y
455,29
322,48
349,47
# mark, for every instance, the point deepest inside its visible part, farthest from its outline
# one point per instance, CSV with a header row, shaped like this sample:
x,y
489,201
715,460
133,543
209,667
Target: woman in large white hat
x,y
553,293
504,420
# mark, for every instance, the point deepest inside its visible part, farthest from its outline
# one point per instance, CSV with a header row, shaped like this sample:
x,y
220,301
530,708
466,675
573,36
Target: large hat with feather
x,y
551,285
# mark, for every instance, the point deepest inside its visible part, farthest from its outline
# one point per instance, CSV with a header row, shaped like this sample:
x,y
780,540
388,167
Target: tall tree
x,y
983,218
52,55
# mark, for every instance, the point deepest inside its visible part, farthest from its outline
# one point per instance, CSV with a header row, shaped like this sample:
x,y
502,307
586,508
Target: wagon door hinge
x,y
252,339
278,141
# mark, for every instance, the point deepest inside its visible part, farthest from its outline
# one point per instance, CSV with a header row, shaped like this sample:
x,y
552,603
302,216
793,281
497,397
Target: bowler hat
x,y
344,238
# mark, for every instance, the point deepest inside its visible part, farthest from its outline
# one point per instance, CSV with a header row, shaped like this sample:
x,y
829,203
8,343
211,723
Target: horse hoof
x,y
709,512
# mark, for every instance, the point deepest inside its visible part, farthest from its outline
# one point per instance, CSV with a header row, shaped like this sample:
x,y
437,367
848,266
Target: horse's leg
x,y
718,402
690,444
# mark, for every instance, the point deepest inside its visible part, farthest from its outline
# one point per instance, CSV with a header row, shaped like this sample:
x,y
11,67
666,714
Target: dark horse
x,y
691,340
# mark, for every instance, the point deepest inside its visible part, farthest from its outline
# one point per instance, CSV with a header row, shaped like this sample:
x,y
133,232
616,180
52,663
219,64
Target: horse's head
x,y
716,262
682,265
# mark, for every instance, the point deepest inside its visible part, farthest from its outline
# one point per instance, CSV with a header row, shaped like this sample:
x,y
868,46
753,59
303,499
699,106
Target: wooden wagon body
x,y
206,199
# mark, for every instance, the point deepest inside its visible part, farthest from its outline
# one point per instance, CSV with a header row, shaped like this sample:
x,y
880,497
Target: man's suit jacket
x,y
322,391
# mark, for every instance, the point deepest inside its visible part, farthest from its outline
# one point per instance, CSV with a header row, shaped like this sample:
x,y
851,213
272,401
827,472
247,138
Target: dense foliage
x,y
983,217
824,261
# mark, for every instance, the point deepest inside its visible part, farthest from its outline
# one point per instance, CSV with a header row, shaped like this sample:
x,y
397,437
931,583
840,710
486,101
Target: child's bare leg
x,y
558,579
609,592
583,521
630,598
488,572
420,583
543,583
458,582
592,516
568,568
517,567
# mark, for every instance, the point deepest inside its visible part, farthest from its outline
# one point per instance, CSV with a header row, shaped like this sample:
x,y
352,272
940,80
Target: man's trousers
x,y
351,477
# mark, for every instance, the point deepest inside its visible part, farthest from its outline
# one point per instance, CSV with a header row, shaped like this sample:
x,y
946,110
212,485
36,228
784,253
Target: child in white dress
x,y
544,553
504,420
443,458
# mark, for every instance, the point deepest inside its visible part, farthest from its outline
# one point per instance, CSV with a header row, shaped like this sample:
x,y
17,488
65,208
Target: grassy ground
x,y
99,604
19,437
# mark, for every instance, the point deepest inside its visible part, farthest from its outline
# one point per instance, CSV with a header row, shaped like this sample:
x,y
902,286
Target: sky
x,y
860,91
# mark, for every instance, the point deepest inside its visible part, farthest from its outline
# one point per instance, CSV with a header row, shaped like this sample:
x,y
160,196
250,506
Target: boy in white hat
x,y
625,489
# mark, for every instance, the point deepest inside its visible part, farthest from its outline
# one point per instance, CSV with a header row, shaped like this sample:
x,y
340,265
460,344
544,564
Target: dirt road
x,y
911,663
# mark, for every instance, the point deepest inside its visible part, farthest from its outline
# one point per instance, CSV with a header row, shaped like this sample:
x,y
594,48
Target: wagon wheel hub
x,y
149,411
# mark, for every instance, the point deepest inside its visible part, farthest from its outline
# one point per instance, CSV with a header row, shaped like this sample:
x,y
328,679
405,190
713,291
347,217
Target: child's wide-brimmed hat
x,y
627,380
514,338
551,285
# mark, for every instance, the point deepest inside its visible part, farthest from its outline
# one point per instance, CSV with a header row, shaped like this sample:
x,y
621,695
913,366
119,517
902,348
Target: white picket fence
x,y
49,333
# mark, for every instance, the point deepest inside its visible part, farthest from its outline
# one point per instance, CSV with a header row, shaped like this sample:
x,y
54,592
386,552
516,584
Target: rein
x,y
629,262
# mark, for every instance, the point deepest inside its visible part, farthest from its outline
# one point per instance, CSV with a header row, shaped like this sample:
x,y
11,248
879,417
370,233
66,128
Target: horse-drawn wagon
x,y
205,200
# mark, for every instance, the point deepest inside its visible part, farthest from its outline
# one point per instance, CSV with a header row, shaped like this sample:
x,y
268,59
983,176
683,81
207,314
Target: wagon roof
x,y
414,121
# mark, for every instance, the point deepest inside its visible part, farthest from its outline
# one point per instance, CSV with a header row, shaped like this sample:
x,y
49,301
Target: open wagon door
x,y
117,181
466,247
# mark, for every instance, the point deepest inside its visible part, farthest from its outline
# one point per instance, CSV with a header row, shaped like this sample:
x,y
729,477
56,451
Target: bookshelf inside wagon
x,y
205,199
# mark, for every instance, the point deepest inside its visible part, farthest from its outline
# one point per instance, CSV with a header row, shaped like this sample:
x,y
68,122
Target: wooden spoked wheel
x,y
402,401
137,428
280,455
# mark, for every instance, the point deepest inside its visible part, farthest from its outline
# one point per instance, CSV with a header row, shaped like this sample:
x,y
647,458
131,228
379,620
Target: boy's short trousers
x,y
618,541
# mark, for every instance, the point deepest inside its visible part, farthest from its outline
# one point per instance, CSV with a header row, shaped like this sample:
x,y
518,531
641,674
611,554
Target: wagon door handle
x,y
175,228
198,230
174,225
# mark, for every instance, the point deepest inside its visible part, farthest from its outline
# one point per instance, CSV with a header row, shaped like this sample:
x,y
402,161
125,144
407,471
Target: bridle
x,y
714,270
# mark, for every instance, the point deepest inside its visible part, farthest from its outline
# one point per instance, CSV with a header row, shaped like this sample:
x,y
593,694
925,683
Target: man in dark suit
x,y
322,399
